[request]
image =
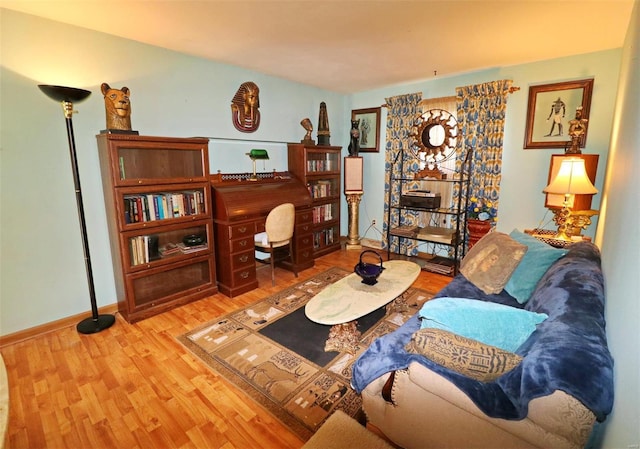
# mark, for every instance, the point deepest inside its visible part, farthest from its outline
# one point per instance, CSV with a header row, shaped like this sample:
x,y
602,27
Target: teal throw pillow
x,y
535,263
493,324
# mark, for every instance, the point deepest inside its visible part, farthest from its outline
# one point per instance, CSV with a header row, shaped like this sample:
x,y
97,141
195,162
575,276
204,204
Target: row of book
x,y
320,189
318,165
322,213
323,238
158,206
144,249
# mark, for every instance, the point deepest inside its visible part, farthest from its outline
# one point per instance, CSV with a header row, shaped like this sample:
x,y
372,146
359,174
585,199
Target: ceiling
x,y
349,46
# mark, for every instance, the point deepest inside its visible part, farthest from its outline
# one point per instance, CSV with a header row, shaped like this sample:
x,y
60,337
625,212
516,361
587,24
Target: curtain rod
x,y
512,89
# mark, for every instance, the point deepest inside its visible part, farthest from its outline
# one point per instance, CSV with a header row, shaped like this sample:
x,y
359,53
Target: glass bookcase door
x,y
324,188
165,244
325,212
323,162
139,165
326,237
154,286
141,207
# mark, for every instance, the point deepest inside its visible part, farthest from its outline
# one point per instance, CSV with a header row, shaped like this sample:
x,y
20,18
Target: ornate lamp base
x,y
571,222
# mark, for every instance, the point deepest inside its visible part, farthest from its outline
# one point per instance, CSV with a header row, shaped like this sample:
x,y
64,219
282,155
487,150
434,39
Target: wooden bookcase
x,y
156,193
318,167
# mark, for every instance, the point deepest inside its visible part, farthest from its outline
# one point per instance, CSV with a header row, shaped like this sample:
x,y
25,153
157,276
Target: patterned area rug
x,y
271,351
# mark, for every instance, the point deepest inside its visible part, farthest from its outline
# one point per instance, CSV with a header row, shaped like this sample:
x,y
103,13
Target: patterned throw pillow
x,y
492,261
462,355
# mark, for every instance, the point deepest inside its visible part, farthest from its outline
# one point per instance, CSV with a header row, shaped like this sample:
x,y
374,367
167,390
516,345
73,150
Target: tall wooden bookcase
x,y
318,167
158,203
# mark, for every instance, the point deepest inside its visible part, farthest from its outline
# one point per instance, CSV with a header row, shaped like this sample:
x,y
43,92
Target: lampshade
x,y
258,154
571,179
62,93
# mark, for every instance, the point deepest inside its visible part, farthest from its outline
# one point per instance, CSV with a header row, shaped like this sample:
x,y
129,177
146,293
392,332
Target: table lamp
x,y
67,96
571,180
256,154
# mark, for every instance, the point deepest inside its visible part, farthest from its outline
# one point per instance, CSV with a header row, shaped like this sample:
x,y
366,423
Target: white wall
x,y
619,238
42,273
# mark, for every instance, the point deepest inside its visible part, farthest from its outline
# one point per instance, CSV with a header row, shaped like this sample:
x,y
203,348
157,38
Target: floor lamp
x,y
69,95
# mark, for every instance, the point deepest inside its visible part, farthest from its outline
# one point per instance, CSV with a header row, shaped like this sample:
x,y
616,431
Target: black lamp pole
x,y
69,95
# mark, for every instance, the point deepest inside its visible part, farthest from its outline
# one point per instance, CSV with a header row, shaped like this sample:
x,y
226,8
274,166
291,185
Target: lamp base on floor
x,y
93,326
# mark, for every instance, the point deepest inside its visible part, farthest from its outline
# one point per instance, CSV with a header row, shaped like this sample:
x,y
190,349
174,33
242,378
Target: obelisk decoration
x,y
324,135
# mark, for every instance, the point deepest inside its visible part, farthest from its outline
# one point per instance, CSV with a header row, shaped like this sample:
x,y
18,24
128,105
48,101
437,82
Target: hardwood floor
x,y
135,386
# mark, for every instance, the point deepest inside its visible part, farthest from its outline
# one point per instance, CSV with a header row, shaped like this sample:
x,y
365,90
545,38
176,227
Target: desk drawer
x,y
243,276
242,230
304,255
241,245
303,241
304,216
241,260
304,228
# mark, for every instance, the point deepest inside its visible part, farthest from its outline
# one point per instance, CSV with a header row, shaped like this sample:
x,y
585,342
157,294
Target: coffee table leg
x,y
343,338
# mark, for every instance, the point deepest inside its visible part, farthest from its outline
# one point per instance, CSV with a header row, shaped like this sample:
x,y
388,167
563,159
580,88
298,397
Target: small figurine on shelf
x,y
577,129
354,144
308,126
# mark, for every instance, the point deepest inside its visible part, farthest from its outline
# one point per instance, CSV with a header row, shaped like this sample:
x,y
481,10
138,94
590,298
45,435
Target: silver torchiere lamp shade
x,y
67,96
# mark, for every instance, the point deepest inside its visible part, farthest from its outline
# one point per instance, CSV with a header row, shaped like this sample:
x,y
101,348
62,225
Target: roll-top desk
x,y
240,209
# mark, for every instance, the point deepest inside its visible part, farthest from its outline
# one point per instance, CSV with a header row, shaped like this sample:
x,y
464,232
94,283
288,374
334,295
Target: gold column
x,y
353,238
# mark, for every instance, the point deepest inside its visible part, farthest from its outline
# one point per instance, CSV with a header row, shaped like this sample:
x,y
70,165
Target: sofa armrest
x,y
447,417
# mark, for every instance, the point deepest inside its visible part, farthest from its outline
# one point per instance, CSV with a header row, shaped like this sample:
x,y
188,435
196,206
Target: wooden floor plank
x,y
135,386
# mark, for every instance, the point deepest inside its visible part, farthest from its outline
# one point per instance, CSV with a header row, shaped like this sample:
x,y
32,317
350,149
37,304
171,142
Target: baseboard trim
x,y
26,334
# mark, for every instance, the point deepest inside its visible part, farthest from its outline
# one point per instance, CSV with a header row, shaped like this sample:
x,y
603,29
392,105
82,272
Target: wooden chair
x,y
278,234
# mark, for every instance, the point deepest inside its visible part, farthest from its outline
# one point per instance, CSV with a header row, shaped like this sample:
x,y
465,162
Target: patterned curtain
x,y
481,112
401,113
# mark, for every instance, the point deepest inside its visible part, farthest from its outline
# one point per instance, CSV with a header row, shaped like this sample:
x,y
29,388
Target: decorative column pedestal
x,y
353,238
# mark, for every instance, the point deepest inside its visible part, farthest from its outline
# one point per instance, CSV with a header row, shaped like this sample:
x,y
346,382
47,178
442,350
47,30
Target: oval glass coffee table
x,y
343,302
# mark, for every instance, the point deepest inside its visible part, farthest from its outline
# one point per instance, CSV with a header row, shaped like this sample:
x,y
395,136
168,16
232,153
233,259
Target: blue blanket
x,y
567,352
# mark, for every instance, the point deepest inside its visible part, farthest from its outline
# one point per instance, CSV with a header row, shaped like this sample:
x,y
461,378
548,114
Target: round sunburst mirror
x,y
436,134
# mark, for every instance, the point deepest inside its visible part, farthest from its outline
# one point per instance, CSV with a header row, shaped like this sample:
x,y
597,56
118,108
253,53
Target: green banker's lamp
x,y
254,155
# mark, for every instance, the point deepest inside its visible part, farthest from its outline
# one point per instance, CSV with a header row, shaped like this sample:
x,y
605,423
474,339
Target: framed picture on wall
x,y
369,127
550,108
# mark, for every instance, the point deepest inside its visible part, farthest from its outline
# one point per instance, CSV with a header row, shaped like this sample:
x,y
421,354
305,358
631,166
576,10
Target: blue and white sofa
x,y
558,385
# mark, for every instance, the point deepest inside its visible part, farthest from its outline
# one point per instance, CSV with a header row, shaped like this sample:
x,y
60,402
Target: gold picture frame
x,y
369,128
549,110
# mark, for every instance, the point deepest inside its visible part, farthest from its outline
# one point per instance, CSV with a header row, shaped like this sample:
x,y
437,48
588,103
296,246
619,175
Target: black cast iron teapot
x,y
367,271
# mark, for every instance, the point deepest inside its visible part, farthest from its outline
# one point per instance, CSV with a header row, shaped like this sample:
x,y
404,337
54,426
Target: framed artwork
x,y
369,128
550,109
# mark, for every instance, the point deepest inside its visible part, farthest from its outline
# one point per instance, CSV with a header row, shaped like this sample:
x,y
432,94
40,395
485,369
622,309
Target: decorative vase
x,y
477,229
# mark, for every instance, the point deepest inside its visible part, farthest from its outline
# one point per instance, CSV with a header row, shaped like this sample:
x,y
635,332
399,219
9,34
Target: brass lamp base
x,y
571,222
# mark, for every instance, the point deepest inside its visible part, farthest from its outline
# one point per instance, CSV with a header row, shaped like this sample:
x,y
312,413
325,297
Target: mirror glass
x,y
433,136
436,132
